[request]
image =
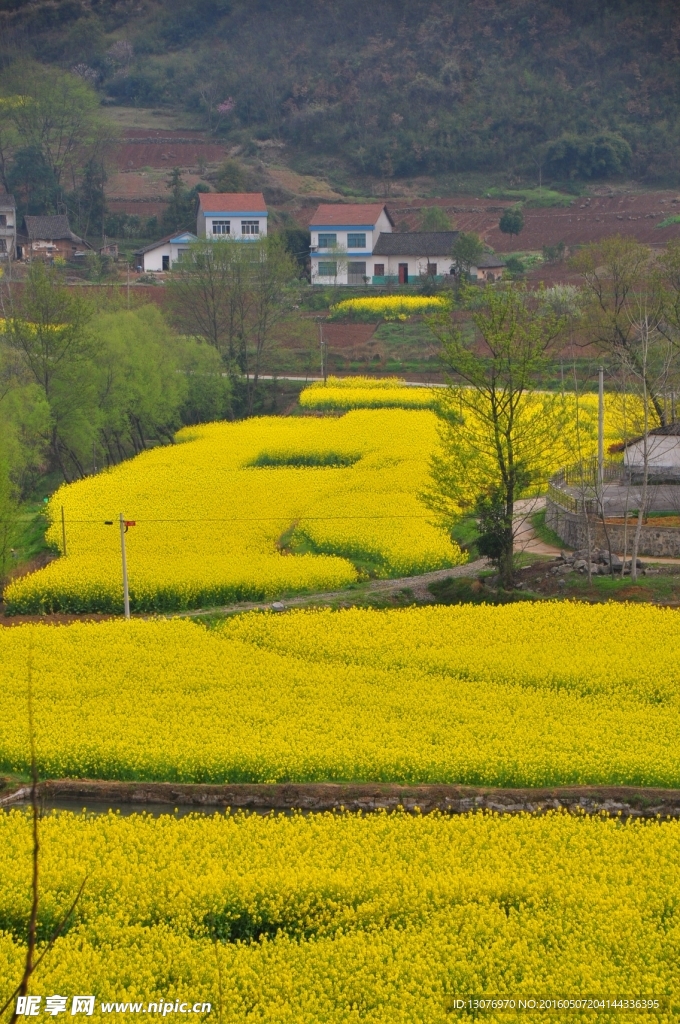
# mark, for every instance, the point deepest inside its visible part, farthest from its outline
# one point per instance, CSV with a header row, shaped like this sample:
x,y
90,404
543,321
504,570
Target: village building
x,y
47,237
8,227
663,455
161,255
239,215
489,268
407,255
343,236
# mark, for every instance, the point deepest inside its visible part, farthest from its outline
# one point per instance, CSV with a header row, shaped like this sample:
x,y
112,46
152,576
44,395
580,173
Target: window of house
x,y
3,220
250,227
356,241
328,269
3,245
432,269
378,269
327,241
221,227
356,273
182,254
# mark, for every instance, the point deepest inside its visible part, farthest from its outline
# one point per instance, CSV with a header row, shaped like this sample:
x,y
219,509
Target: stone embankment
x,y
602,563
612,801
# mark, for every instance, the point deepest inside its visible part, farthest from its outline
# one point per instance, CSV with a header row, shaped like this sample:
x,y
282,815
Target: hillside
x,y
365,95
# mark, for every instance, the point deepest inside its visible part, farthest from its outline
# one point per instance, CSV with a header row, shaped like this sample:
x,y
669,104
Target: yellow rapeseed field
x,y
367,393
518,695
390,306
213,513
388,919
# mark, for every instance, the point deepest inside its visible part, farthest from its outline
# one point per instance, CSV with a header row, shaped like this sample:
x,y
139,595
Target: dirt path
x,y
407,587
168,797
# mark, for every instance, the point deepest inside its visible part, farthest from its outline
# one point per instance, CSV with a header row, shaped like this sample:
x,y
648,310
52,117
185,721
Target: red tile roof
x,y
232,202
336,214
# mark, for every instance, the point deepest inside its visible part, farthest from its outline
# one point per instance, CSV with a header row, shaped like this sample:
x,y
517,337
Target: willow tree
x,y
497,432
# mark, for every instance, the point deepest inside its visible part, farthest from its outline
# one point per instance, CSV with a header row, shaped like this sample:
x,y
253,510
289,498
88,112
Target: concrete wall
x,y
662,451
655,541
204,225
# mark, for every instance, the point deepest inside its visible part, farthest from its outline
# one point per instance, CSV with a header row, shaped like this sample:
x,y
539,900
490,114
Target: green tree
x,y
208,389
51,112
434,218
495,434
512,221
467,252
231,177
618,282
89,201
32,181
48,327
234,295
179,213
588,156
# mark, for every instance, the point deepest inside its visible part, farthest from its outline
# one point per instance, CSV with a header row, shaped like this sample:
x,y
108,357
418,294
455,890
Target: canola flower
x,y
623,413
390,306
518,695
367,393
385,918
219,515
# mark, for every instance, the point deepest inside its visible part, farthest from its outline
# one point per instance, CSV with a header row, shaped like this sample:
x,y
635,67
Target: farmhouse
x,y
47,237
663,454
489,268
404,255
240,215
161,255
343,238
8,227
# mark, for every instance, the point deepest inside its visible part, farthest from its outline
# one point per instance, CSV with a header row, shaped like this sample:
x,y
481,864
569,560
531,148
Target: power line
x,y
255,519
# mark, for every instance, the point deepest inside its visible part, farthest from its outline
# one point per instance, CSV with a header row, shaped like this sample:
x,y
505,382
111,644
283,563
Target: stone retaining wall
x,y
627,801
655,541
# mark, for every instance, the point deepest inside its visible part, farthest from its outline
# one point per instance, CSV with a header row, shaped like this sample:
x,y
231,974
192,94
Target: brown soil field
x,y
153,147
587,219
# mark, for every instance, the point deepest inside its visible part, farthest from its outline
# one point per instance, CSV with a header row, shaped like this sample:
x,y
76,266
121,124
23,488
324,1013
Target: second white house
x,y
239,215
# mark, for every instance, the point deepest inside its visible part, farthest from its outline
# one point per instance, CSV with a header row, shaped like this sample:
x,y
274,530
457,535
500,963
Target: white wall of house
x,y
345,247
221,224
162,256
8,231
417,265
663,451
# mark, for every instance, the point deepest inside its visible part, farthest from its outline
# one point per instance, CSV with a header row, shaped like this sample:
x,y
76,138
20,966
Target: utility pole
x,y
322,346
126,592
63,532
600,430
124,524
128,284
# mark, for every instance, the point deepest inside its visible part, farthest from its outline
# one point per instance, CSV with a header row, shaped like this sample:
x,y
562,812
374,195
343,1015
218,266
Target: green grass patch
x,y
464,590
466,534
532,197
544,532
668,222
301,460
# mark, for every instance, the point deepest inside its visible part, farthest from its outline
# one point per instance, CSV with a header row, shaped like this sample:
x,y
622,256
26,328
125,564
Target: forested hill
x,y
389,87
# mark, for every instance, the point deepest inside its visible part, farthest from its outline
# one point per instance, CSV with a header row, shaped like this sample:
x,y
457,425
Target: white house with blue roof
x,y
161,255
343,236
221,215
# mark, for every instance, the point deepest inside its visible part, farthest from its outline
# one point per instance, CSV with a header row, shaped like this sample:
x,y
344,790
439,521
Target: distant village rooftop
x,y
355,214
232,202
415,243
